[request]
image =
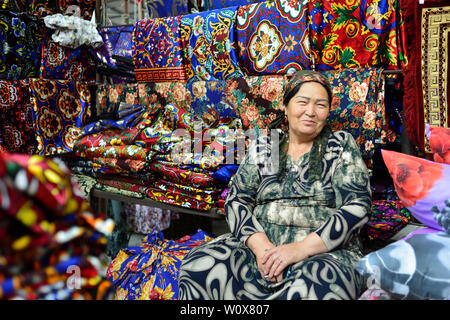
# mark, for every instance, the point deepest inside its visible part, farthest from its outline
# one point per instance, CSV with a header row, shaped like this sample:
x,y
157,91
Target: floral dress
x,y
287,210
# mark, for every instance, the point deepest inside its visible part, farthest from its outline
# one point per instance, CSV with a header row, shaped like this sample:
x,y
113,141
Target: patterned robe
x,y
287,210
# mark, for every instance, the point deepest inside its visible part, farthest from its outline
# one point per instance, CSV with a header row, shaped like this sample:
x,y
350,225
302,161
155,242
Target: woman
x,y
294,230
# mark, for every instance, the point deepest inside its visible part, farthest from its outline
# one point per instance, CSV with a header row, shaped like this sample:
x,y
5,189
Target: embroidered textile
x,y
60,63
427,89
150,271
209,45
17,132
354,34
60,109
157,52
21,38
42,8
273,37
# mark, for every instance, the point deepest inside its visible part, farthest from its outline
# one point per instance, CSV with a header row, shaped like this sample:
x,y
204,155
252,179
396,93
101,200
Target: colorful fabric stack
x,y
50,240
355,34
17,133
157,51
150,271
209,46
273,37
21,39
60,109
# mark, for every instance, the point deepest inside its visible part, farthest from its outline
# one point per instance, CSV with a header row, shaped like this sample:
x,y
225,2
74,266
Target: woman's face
x,y
307,111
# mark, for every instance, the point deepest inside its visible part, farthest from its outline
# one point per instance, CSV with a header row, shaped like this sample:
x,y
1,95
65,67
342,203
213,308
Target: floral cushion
x,y
439,139
423,186
416,268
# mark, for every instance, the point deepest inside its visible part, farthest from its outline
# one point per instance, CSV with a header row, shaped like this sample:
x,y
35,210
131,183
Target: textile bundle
x,y
50,239
150,271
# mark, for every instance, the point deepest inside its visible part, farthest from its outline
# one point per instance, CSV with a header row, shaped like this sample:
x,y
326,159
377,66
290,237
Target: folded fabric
x,y
130,152
60,109
72,31
386,218
208,40
61,63
150,271
273,37
125,121
354,34
193,193
182,176
122,165
17,133
439,141
217,4
157,51
82,8
122,185
21,38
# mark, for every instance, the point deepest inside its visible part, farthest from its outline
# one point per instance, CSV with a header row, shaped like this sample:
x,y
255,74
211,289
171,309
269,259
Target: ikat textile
x,y
179,199
209,45
169,8
426,85
14,5
60,109
60,63
273,37
21,37
354,34
46,227
150,271
120,39
16,117
157,51
183,176
42,8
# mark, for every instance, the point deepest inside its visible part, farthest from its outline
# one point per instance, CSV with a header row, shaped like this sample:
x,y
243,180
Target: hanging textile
x,y
16,117
427,88
42,8
60,109
209,45
273,37
20,38
157,52
60,63
354,34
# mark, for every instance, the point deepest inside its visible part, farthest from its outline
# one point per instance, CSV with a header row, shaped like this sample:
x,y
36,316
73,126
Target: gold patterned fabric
x,y
426,99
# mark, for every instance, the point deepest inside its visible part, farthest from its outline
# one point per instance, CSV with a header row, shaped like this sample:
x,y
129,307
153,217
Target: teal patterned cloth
x,y
287,210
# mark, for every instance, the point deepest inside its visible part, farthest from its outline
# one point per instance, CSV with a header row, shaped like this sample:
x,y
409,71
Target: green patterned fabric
x,y
287,210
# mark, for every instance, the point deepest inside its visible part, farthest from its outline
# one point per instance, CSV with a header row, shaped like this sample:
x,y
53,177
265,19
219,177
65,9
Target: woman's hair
x,y
318,149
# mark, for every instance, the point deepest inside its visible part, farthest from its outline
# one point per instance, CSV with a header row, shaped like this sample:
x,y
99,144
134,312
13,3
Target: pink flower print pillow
x,y
420,184
439,140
